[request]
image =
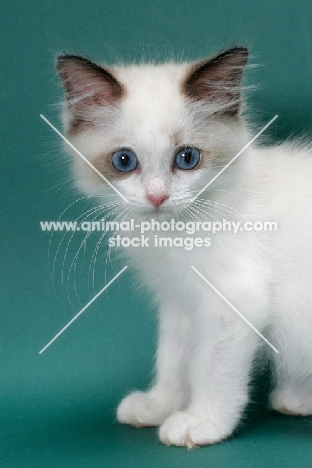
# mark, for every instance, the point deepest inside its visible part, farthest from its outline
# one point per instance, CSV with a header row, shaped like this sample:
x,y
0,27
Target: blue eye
x,y
187,158
124,160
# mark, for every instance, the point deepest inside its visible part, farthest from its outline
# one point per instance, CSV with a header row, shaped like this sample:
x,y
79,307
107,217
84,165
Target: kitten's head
x,y
158,133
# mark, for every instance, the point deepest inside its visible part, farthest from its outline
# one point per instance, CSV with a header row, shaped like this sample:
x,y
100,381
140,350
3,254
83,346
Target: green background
x,y
58,408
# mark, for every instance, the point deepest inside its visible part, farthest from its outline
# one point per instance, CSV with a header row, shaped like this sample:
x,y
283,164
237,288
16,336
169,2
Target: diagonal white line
x,y
235,157
235,310
82,156
84,308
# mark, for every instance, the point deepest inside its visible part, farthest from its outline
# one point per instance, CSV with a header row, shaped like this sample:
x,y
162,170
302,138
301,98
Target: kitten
x,y
159,133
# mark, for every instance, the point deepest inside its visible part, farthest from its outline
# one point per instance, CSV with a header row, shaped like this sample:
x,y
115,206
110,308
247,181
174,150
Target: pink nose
x,y
157,200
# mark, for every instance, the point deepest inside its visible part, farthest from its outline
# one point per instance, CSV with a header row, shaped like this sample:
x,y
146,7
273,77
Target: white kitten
x,y
160,133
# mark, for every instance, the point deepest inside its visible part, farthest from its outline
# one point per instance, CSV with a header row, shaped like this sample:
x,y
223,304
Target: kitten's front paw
x,y
146,408
184,429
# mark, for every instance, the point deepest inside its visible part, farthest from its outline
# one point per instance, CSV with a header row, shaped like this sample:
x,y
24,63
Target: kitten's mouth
x,y
163,209
157,211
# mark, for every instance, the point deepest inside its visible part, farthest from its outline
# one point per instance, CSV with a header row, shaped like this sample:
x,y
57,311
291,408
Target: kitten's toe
x,y
295,402
185,429
144,409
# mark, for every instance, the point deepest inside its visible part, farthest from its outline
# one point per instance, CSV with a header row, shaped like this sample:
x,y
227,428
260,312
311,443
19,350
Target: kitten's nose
x,y
156,191
158,199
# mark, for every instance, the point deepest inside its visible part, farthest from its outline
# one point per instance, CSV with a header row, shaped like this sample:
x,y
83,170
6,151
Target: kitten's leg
x,y
169,391
292,335
219,382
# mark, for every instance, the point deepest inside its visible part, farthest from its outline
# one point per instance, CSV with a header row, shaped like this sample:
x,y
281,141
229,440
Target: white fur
x,y
205,352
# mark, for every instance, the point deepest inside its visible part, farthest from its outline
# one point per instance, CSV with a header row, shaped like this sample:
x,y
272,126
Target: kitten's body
x,y
205,350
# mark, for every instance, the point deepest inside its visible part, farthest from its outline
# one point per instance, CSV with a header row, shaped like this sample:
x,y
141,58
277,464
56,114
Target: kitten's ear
x,y
87,84
217,80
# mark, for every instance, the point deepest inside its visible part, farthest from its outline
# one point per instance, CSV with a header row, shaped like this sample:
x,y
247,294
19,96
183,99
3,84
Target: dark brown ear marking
x,y
86,83
218,79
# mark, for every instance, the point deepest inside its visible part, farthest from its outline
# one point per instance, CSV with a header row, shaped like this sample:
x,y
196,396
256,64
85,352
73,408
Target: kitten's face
x,y
158,133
